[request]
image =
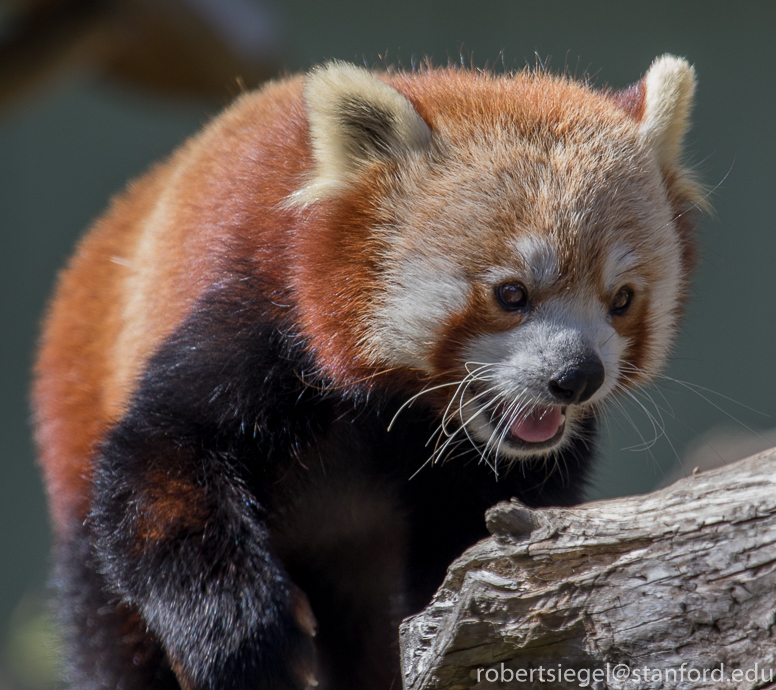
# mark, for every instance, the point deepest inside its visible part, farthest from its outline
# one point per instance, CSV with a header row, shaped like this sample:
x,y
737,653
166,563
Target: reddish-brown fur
x,y
132,281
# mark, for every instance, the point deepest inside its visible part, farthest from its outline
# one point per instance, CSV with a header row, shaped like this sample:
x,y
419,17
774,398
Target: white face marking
x,y
536,255
539,256
420,294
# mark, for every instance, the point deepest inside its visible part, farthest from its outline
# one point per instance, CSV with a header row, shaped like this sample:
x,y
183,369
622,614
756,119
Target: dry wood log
x,y
677,583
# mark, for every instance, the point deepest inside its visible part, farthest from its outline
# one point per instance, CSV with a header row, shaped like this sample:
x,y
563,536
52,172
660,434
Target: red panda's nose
x,y
578,382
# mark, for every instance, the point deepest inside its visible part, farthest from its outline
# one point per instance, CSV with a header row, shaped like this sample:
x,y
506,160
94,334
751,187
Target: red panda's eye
x,y
512,296
621,301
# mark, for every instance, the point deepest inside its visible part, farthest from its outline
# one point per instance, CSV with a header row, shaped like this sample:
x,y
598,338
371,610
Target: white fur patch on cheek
x,y
420,296
611,348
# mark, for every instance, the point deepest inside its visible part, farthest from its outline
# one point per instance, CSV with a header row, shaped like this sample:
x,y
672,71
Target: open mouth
x,y
543,426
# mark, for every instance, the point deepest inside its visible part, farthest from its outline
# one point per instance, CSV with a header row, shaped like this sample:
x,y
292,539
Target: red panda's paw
x,y
304,667
303,613
283,659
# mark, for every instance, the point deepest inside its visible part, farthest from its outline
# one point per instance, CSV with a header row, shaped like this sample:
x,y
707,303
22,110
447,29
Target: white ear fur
x,y
354,118
670,87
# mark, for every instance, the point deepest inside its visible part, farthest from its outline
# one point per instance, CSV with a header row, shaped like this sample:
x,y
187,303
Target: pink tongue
x,y
541,425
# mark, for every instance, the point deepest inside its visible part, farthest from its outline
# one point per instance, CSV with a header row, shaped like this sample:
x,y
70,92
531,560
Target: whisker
x,y
695,388
407,403
465,383
483,456
646,446
513,411
447,417
656,425
658,430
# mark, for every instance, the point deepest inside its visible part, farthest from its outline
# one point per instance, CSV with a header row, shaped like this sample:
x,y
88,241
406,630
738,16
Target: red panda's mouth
x,y
542,426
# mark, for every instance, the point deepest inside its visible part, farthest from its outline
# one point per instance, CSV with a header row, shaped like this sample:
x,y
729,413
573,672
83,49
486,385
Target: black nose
x,y
578,382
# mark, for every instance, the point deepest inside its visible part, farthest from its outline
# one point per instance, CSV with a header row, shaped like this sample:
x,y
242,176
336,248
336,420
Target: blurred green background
x,y
71,142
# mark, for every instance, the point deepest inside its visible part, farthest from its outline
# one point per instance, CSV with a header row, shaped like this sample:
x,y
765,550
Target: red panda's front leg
x,y
180,502
180,540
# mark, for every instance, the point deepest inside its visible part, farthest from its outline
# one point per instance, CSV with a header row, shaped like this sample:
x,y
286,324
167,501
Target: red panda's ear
x,y
354,119
669,87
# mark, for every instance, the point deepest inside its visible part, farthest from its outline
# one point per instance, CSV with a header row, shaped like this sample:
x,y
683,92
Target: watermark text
x,y
588,677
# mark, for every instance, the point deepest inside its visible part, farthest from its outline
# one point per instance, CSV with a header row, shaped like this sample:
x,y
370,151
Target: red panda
x,y
286,373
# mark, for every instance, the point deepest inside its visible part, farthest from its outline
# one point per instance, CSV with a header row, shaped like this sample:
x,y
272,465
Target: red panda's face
x,y
534,285
524,256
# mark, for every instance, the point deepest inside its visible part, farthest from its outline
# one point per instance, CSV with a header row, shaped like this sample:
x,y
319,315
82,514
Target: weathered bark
x,y
684,575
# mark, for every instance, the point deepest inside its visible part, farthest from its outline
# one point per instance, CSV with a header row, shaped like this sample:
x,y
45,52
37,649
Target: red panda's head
x,y
516,243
